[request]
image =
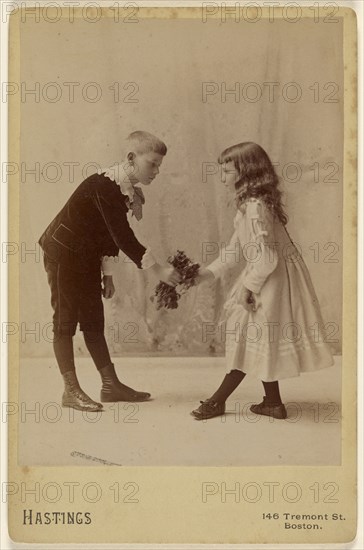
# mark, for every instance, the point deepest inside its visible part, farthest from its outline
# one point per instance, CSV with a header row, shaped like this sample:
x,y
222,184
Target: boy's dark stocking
x,y
112,389
215,405
97,346
63,350
73,396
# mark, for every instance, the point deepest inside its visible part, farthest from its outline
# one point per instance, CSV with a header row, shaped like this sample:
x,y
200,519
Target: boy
x,y
91,227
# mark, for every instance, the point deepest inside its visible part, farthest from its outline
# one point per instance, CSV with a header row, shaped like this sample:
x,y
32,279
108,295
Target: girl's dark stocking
x,y
229,384
272,393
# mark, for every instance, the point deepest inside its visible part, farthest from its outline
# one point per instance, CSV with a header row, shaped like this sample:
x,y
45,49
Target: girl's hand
x,y
167,274
247,299
204,274
108,289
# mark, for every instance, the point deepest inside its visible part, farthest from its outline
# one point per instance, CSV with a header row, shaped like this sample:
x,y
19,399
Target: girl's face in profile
x,y
230,175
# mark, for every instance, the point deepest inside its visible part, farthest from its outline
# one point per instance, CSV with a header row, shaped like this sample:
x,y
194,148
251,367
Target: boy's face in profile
x,y
146,166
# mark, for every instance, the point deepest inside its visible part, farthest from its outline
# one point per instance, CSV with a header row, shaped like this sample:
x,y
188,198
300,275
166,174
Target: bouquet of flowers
x,y
168,295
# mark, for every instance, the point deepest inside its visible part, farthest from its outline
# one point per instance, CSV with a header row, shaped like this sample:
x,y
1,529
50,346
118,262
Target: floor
x,y
162,432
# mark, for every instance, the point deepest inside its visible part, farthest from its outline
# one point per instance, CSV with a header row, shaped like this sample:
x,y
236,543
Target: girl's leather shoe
x,y
269,409
208,409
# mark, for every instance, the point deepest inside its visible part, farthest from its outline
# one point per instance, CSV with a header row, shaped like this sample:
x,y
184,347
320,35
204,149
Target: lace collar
x,y
113,173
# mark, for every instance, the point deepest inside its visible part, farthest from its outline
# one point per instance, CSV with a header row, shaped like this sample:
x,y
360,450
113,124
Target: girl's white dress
x,y
285,335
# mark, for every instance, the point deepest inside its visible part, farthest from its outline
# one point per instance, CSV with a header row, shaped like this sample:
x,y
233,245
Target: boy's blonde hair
x,y
144,142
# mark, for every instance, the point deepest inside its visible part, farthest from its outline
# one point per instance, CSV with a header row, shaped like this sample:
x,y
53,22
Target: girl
x,y
274,328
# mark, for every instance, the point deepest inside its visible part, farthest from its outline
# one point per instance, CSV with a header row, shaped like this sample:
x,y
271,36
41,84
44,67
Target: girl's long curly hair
x,y
257,176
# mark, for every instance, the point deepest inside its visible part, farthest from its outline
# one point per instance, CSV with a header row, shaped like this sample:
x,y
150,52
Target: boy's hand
x,y
204,275
108,289
247,299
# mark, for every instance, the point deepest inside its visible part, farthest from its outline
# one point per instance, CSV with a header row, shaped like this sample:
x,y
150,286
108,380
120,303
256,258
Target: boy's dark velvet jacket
x,y
92,224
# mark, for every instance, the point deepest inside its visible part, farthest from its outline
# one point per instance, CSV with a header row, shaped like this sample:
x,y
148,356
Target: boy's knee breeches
x,y
75,298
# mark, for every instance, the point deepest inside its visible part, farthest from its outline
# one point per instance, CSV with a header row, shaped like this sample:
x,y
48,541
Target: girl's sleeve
x,y
264,256
229,256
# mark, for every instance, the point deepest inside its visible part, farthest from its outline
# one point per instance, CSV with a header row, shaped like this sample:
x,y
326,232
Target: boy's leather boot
x,y
74,397
114,390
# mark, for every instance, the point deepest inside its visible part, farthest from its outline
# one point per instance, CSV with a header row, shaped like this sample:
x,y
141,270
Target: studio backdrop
x,y
200,87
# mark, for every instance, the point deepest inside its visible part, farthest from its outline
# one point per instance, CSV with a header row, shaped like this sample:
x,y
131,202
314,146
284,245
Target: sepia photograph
x,y
121,167
178,185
